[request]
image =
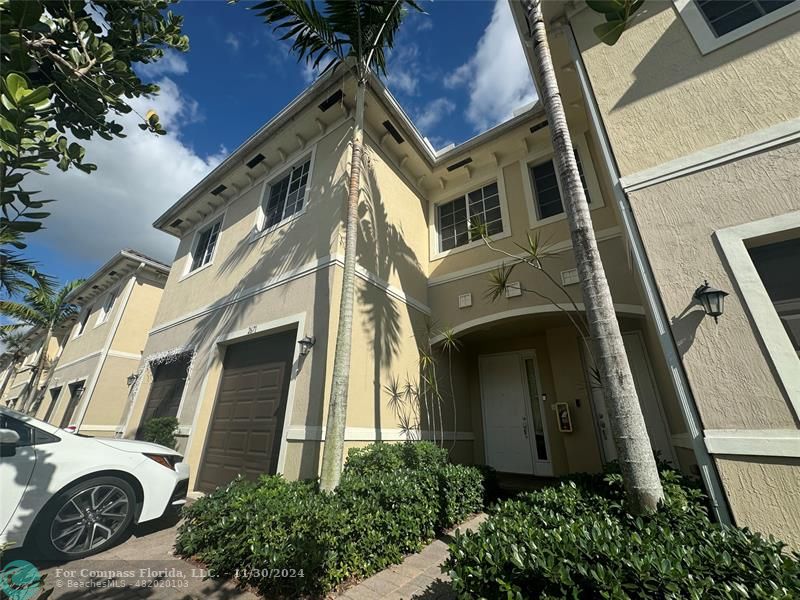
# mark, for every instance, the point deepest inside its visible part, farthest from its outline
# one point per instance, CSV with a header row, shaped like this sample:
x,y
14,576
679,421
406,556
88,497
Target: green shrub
x,y
161,430
578,541
391,500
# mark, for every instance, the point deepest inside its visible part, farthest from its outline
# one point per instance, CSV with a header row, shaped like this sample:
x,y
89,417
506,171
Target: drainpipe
x,y
680,382
89,391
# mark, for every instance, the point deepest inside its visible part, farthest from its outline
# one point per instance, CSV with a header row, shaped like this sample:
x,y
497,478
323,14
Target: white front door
x,y
515,436
649,401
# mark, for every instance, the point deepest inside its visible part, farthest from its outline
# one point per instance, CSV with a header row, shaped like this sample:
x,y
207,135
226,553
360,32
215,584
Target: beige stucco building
x,y
241,348
16,377
102,346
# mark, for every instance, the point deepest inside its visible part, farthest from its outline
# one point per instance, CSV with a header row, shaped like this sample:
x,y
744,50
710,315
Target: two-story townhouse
x,y
696,110
18,377
242,346
102,346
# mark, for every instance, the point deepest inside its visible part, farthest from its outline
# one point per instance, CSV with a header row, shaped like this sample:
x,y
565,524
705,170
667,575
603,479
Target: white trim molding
x,y
780,351
121,354
299,433
78,360
707,41
752,143
783,443
112,428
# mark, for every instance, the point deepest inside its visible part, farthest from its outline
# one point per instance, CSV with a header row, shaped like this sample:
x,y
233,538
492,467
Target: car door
x,y
17,464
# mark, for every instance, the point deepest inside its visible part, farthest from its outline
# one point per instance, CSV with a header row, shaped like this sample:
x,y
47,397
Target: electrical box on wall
x,y
513,289
465,300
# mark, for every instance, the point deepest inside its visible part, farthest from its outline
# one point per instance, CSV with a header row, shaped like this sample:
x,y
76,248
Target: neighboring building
x,y
101,347
19,376
697,109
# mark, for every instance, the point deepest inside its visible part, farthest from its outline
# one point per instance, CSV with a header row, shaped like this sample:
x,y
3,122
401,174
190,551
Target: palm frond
x,y
22,313
498,281
17,273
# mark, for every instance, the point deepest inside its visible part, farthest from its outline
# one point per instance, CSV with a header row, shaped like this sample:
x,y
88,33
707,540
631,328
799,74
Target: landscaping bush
x,y
578,541
160,430
391,500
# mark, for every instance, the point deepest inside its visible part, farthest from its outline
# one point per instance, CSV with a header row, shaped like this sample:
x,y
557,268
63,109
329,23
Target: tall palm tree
x,y
44,309
16,273
353,34
637,463
15,346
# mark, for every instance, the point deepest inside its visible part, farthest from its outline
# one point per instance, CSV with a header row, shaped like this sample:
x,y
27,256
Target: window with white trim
x,y
724,16
454,218
108,305
84,320
776,264
547,190
286,196
205,244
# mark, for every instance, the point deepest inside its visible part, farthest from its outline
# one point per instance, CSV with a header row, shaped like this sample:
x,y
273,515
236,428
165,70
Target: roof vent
x,y
112,273
460,163
176,223
393,132
219,189
95,287
538,126
255,160
331,100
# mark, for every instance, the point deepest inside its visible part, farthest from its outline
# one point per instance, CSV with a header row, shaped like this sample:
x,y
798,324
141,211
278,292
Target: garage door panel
x,y
248,417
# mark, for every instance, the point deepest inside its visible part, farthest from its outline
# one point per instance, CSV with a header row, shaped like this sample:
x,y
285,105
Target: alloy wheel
x,y
89,519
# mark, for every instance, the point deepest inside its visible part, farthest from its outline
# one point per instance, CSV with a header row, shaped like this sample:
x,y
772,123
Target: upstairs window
x,y
205,245
547,190
108,305
724,16
287,195
83,321
455,217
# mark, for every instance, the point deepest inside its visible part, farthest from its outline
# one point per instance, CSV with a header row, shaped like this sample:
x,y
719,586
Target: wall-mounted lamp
x,y
305,344
132,379
712,300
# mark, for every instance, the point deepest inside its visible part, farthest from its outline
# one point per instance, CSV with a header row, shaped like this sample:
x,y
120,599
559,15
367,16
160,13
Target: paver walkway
x,y
418,576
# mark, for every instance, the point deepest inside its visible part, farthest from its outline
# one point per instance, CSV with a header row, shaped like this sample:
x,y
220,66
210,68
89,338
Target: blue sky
x,y
457,71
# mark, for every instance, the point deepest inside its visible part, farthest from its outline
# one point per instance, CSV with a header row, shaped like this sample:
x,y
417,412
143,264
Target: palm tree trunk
x,y
638,466
10,375
333,452
33,392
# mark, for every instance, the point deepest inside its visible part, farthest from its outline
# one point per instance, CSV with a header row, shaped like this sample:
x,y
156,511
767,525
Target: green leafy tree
x,y
15,347
351,34
43,309
637,463
67,71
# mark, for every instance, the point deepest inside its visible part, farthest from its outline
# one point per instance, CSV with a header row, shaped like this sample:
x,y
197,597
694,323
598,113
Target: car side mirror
x,y
8,442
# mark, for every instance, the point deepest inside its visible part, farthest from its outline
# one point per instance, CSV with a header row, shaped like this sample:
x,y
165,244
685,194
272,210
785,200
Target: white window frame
x,y
768,325
106,309
544,155
80,326
261,214
209,222
462,190
704,36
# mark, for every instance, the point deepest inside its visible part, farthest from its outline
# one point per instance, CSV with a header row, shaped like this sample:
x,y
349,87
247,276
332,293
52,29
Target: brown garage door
x,y
246,429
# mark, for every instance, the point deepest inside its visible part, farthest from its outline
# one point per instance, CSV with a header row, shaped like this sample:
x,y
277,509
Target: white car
x,y
69,496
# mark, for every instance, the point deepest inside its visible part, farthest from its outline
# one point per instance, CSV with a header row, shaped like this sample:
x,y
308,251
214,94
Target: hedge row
x,y
392,499
578,541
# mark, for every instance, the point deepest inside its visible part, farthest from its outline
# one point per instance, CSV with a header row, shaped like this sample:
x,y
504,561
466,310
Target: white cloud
x,y
232,41
137,178
433,113
402,68
310,72
497,75
172,63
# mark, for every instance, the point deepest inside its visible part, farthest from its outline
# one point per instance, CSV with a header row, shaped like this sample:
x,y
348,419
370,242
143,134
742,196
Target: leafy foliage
x,y
17,274
617,14
391,500
160,430
41,307
578,541
67,69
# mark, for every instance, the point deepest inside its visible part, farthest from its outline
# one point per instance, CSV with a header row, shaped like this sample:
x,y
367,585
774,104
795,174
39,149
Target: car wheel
x,y
85,518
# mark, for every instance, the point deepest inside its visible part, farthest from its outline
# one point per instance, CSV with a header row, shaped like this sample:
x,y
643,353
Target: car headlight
x,y
165,460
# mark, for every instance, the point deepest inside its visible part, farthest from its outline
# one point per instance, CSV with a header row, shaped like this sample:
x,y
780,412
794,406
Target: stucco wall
x,y
654,87
131,335
107,403
731,378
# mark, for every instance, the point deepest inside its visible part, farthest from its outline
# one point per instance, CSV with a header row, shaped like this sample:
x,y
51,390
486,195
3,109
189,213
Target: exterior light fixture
x,y
305,344
132,379
712,300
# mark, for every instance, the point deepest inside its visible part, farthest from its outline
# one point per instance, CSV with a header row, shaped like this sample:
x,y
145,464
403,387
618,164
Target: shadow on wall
x,y
684,326
675,59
